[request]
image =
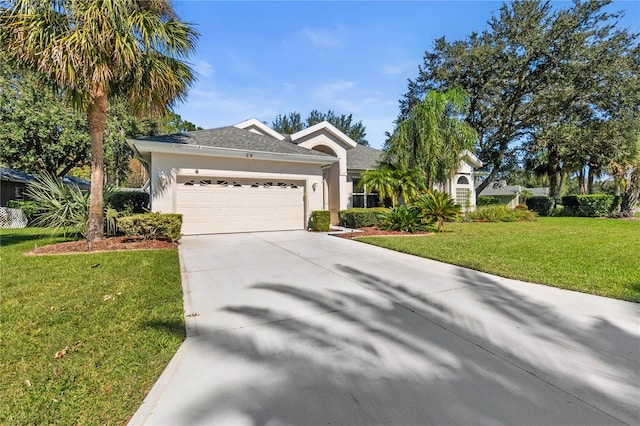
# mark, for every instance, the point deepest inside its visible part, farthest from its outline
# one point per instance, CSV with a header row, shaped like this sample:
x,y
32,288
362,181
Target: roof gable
x,y
327,127
256,126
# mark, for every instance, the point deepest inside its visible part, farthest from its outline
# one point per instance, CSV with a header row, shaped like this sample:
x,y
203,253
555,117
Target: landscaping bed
x,y
370,231
107,244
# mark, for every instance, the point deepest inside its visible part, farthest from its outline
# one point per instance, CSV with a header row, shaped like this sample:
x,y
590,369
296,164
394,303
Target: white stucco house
x,y
248,177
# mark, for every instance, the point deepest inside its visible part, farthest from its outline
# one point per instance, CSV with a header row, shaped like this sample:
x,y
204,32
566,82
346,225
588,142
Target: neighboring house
x,y
248,177
511,195
13,184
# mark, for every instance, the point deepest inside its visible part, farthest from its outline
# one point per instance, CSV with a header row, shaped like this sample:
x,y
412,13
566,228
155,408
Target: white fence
x,y
12,218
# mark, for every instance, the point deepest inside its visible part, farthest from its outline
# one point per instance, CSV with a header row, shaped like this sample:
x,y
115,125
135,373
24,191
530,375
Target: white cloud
x,y
210,108
346,96
398,68
323,37
203,68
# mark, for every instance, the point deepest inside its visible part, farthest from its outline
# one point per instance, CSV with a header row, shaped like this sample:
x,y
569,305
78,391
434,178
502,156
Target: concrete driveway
x,y
296,328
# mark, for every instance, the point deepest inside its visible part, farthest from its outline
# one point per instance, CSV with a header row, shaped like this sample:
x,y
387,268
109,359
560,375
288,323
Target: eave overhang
x,y
142,148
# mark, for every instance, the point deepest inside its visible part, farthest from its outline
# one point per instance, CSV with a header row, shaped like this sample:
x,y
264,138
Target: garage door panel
x,y
240,205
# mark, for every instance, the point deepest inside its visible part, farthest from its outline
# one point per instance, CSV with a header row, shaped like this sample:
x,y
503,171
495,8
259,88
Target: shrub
x,y
540,205
128,201
59,205
321,220
501,214
29,208
483,200
151,226
438,207
360,217
592,205
406,219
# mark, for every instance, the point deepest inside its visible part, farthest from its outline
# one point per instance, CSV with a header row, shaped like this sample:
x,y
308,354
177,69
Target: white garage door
x,y
220,205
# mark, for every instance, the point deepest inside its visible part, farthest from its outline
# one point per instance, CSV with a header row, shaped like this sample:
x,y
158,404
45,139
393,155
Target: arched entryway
x,y
331,185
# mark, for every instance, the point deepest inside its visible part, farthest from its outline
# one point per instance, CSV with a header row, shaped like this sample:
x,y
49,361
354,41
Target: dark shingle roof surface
x,y
363,158
235,138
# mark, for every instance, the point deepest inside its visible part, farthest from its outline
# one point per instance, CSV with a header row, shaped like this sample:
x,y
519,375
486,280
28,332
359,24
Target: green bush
x,y
360,217
540,205
438,207
592,205
59,205
29,208
501,214
483,200
321,220
406,219
151,226
128,201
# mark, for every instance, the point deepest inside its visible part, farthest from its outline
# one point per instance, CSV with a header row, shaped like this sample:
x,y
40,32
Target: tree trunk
x,y
591,177
552,173
581,181
631,195
97,116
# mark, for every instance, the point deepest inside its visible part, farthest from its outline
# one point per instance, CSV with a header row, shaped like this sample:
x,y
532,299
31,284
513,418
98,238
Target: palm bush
x,y
62,206
59,205
406,219
438,207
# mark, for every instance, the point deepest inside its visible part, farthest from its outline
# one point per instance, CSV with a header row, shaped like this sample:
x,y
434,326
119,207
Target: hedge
x,y
321,220
151,226
540,205
29,208
128,201
591,205
484,200
501,214
360,217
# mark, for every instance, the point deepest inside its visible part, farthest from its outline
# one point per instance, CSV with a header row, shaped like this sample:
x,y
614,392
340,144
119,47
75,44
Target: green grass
x,y
596,256
119,314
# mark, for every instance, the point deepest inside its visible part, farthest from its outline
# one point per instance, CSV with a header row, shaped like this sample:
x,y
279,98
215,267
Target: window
x,y
462,197
361,198
189,183
462,180
18,193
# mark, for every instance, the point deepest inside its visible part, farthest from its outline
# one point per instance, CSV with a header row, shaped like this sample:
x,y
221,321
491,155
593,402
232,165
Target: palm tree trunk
x,y
97,117
631,195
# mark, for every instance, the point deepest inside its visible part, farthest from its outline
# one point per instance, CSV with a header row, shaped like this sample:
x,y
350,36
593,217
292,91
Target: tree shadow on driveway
x,y
418,358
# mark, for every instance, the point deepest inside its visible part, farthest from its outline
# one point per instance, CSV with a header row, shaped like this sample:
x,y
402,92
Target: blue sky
x,y
261,59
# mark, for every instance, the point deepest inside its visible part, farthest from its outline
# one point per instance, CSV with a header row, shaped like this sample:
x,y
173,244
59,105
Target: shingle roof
x,y
497,189
11,175
235,138
363,158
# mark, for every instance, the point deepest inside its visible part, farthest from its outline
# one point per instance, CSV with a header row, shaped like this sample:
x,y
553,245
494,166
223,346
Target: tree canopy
x,y
547,85
291,123
433,136
95,50
39,133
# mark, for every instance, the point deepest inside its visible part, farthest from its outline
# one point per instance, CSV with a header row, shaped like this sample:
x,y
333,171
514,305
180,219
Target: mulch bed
x,y
107,244
372,231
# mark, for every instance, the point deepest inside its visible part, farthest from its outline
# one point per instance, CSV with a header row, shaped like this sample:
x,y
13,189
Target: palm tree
x,y
433,137
393,183
94,50
382,181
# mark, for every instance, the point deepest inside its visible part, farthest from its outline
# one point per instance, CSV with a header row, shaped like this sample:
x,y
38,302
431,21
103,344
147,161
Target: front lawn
x,y
597,256
83,337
